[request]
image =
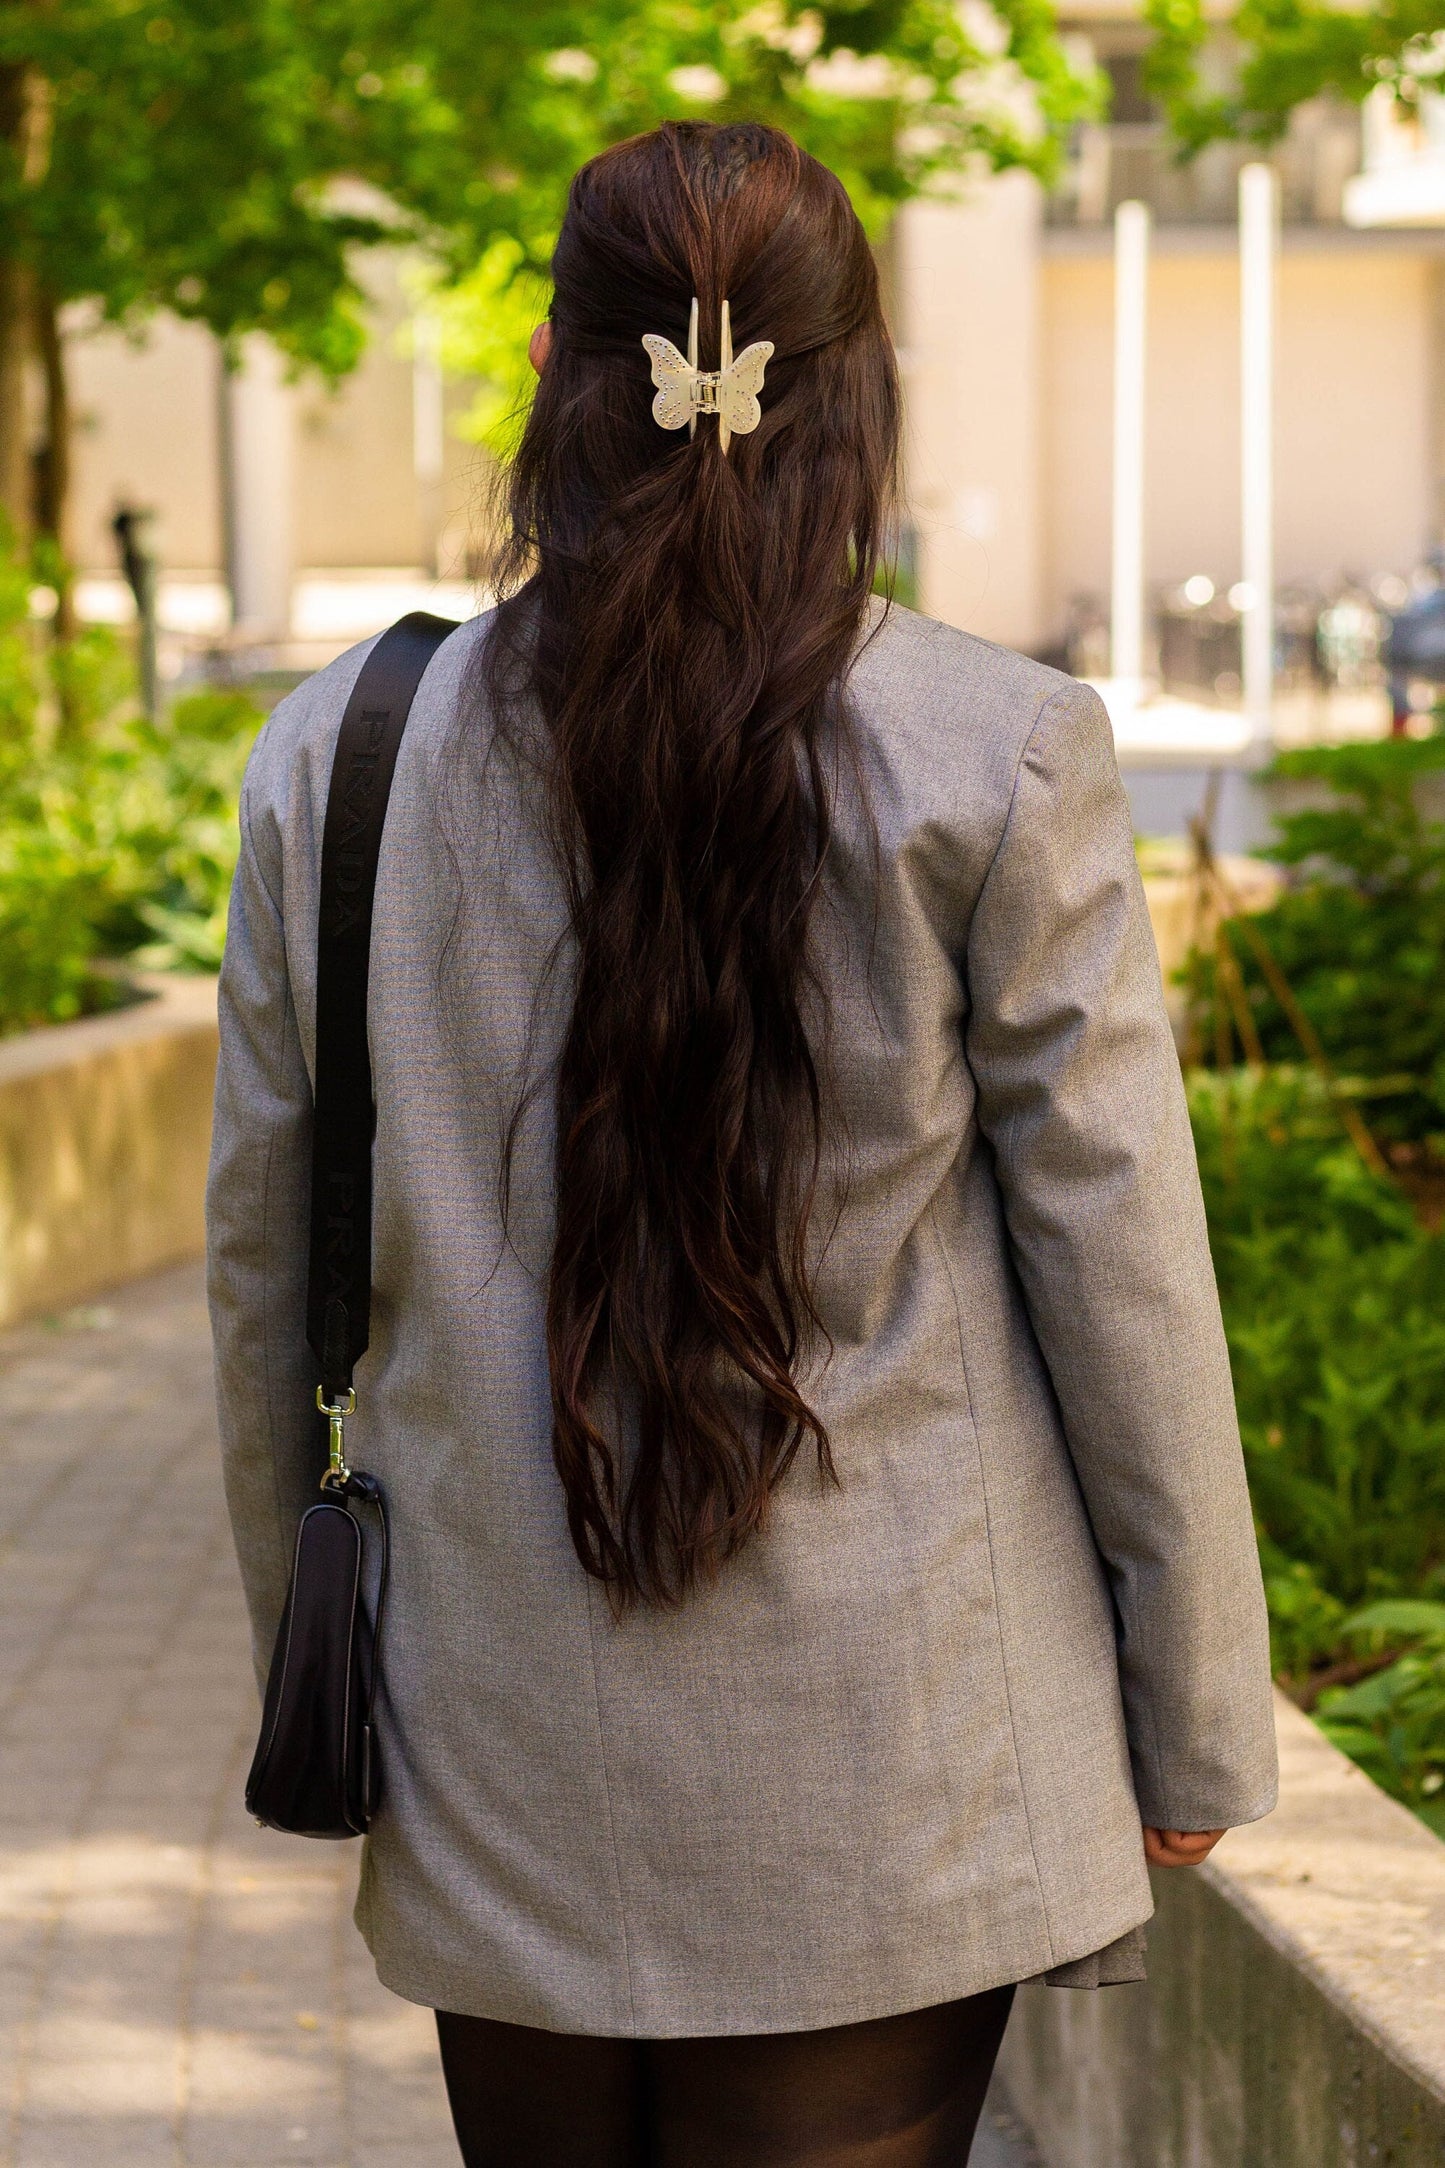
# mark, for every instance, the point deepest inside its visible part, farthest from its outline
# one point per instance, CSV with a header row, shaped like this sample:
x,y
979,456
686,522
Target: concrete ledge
x,y
105,1128
1294,2015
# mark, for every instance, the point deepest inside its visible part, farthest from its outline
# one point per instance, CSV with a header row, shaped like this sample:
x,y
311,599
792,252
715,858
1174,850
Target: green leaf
x,y
1398,1619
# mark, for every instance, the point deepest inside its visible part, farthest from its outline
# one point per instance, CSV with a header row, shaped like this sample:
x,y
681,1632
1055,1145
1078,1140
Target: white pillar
x,y
969,281
1258,242
259,480
1131,284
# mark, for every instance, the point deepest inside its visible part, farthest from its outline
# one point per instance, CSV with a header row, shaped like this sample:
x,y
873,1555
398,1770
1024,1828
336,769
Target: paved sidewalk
x,y
178,1989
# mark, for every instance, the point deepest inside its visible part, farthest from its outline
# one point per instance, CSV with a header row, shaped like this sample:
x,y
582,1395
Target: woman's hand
x,y
1179,1847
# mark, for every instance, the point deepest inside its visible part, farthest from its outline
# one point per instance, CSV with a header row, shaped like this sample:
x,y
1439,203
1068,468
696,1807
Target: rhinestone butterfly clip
x,y
684,391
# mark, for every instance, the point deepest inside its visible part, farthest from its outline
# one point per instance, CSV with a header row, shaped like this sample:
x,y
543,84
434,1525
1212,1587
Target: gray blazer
x,y
900,1752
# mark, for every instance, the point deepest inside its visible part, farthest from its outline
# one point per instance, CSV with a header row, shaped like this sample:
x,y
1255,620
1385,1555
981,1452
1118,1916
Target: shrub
x,y
1331,1278
1393,1721
117,836
1359,932
1334,1303
1334,1309
19,685
162,800
50,895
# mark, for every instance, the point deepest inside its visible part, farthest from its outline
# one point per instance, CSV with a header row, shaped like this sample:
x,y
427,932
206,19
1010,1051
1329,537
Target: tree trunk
x,y
52,508
25,121
16,326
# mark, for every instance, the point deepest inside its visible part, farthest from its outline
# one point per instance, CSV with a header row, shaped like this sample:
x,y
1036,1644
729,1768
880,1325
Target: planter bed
x,y
1294,2015
105,1128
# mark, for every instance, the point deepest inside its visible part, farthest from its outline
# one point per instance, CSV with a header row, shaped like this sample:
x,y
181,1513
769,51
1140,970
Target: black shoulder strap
x,y
338,1298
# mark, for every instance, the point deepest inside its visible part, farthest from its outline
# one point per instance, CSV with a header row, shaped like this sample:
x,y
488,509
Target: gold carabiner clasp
x,y
336,1412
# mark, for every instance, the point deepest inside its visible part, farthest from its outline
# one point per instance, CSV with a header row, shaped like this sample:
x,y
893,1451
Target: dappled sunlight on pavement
x,y
177,1986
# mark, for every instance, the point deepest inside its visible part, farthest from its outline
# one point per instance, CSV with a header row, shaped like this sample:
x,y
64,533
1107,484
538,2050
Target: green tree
x,y
163,155
223,158
1287,51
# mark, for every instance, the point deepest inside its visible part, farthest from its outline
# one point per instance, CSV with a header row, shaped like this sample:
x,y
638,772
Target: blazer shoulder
x,y
298,740
299,735
938,703
924,662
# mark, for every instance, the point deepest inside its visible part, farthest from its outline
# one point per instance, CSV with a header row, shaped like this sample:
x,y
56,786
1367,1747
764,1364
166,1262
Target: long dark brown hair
x,y
681,621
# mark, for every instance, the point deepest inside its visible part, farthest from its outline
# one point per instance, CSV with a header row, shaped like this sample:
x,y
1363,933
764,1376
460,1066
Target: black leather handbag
x,y
315,1769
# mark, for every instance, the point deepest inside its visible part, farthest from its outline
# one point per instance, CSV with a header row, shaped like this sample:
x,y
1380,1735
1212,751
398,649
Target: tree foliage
x,y
1286,52
204,155
184,137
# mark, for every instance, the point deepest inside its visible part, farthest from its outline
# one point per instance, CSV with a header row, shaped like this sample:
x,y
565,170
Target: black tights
x,y
898,2092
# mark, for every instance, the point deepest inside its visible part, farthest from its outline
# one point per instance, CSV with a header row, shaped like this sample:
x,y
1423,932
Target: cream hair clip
x,y
684,391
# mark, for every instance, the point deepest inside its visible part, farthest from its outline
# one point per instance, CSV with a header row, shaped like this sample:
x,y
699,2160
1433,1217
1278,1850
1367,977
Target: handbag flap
x,y
301,1778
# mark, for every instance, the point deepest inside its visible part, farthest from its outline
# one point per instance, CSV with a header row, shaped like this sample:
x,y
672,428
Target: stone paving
x,y
178,1989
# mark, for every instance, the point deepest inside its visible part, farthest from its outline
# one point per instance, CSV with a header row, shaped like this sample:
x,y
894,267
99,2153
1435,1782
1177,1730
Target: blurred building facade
x,y
284,511
1005,320
314,503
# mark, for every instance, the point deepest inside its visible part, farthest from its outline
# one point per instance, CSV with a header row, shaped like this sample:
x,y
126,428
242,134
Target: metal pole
x,y
130,527
1258,244
1131,280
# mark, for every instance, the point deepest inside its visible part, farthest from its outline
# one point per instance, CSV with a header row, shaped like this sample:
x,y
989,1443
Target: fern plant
x,y
1392,1722
1331,1270
1359,931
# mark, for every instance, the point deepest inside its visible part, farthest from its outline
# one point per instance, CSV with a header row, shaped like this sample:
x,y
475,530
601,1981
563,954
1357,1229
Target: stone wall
x,y
1294,2015
105,1128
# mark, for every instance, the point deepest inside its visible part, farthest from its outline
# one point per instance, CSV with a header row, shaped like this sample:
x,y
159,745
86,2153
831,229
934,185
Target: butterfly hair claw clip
x,y
684,391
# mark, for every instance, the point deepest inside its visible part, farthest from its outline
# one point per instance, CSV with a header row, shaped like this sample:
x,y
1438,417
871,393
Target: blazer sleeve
x,y
256,1220
1080,1095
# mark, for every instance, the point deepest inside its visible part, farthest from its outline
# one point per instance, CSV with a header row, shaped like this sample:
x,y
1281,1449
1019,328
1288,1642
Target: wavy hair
x,y
680,623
